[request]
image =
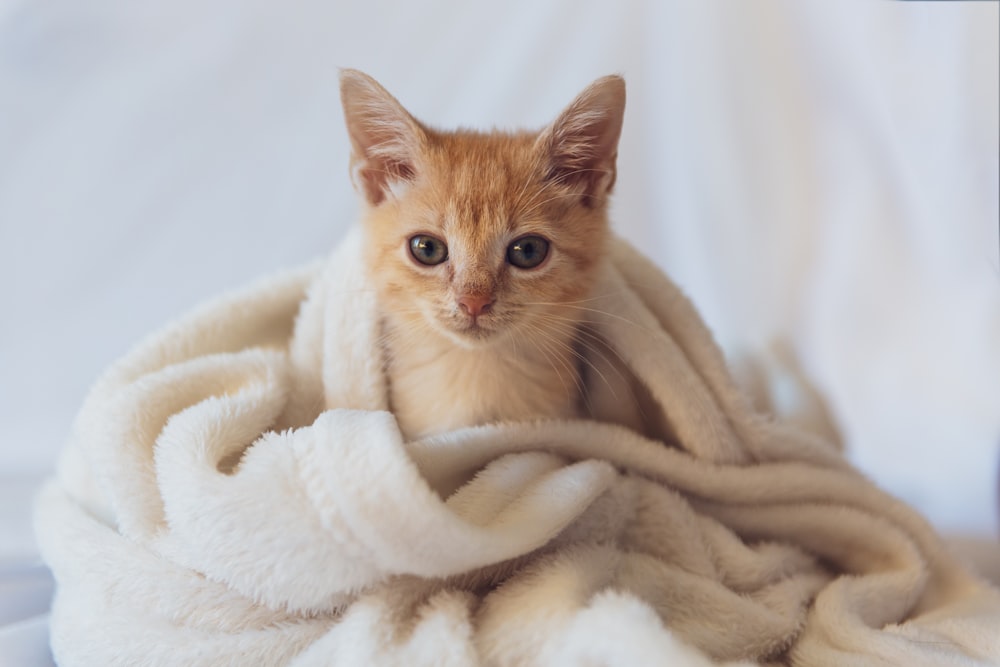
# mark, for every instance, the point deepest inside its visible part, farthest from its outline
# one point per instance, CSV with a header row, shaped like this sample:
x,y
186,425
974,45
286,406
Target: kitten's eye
x,y
528,252
428,250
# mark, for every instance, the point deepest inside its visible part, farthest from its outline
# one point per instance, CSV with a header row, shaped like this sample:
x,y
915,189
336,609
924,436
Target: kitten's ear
x,y
386,140
582,144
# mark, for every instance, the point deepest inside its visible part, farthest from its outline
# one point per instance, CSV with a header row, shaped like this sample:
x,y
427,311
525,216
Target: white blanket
x,y
236,493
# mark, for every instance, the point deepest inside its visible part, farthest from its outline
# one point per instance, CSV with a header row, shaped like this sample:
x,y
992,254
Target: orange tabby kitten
x,y
481,246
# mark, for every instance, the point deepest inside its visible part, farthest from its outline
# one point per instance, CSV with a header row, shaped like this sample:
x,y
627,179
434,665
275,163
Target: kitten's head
x,y
478,235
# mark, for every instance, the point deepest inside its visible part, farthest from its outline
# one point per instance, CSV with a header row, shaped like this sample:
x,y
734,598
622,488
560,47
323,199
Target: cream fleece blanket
x,y
235,492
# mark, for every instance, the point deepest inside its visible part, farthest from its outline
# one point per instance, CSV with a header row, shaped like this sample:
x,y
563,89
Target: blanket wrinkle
x,y
236,490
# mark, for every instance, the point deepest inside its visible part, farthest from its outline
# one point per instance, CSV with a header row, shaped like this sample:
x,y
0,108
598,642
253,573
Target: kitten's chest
x,y
436,388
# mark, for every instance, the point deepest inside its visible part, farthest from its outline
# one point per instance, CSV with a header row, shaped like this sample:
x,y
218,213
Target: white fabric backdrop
x,y
822,175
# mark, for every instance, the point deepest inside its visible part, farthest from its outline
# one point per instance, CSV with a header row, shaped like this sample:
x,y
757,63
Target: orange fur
x,y
478,192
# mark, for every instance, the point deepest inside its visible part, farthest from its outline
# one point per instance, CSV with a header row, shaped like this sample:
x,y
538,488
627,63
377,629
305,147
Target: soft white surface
x,y
822,172
338,541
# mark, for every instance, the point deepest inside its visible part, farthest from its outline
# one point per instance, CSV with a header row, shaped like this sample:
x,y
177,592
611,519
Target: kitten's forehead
x,y
485,177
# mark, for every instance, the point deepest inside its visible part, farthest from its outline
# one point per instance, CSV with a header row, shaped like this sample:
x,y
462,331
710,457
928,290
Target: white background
x,y
818,175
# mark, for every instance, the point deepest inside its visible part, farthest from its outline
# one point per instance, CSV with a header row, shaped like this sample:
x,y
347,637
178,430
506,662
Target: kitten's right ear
x,y
581,146
385,139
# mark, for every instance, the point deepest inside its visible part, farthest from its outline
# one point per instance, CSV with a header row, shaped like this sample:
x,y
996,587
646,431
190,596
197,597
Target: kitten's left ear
x,y
386,140
581,146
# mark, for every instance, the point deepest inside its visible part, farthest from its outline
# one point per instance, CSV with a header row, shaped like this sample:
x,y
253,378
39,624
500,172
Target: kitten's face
x,y
479,236
480,244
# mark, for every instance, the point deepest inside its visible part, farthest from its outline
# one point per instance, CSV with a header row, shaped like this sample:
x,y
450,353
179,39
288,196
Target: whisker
x,y
597,297
583,359
613,315
548,358
546,336
593,343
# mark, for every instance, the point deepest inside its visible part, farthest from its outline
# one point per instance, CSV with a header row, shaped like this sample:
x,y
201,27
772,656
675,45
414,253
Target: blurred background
x,y
820,177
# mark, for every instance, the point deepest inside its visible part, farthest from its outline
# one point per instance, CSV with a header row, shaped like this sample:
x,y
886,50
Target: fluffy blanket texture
x,y
236,492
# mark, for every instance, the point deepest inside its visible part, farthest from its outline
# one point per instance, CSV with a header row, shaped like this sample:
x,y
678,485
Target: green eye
x,y
528,252
428,250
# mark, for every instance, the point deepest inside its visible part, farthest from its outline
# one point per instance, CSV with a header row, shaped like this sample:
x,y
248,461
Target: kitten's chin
x,y
471,336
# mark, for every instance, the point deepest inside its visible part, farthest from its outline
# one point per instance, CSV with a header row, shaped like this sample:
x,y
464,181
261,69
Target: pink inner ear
x,y
400,171
376,181
593,174
385,160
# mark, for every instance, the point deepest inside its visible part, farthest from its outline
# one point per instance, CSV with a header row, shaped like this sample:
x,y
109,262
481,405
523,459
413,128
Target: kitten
x,y
483,249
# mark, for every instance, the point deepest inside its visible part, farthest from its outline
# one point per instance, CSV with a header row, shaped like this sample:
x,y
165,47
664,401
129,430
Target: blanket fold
x,y
236,492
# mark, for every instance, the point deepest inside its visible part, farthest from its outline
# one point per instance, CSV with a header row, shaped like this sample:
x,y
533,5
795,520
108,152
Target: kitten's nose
x,y
475,304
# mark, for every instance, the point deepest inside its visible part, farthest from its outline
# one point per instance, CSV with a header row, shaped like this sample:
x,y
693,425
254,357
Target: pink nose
x,y
475,304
